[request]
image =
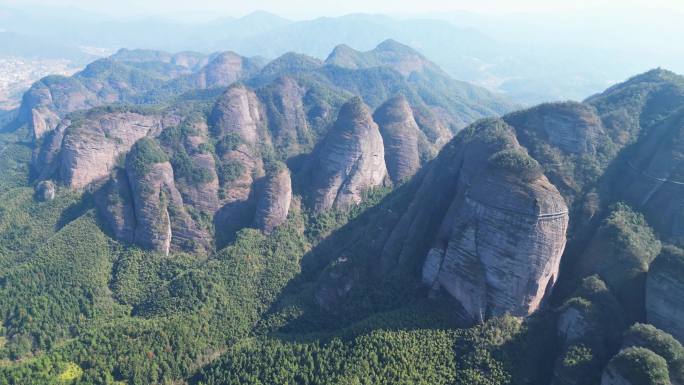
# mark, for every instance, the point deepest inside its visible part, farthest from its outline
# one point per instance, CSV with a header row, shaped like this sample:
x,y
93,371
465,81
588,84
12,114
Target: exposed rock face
x,y
655,182
402,138
152,192
90,151
572,127
162,223
350,160
493,235
665,292
200,189
114,204
237,120
45,191
504,251
225,69
274,200
287,117
238,111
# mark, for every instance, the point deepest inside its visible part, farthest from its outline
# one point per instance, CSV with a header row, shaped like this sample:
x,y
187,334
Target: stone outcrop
x,y
114,203
142,205
238,112
665,292
238,121
224,69
200,188
287,118
45,191
90,150
403,140
274,200
504,250
349,161
491,234
572,127
162,223
653,178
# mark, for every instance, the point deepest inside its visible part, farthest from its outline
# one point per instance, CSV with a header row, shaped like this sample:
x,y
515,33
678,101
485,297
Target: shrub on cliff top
x,y
516,161
145,153
641,366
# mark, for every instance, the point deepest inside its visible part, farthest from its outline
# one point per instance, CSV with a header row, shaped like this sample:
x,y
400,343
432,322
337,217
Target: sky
x,y
304,9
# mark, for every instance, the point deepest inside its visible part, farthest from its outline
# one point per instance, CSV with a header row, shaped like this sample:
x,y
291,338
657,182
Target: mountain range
x,y
528,69
221,219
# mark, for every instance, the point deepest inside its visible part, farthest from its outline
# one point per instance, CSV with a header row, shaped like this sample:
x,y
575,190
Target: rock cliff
x,y
665,292
90,148
406,147
274,199
349,161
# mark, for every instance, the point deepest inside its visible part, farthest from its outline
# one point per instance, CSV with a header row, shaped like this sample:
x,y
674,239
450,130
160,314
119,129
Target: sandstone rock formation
x,y
161,219
504,251
114,203
90,150
237,120
287,118
572,127
274,200
665,292
239,112
653,179
481,180
349,161
224,69
405,144
45,191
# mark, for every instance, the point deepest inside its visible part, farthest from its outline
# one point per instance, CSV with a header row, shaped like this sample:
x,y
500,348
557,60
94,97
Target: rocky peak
x,y
288,64
238,111
572,127
403,140
349,161
274,200
390,53
665,292
225,69
86,149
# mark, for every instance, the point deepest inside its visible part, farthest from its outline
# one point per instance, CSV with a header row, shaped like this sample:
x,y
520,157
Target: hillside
x,y
214,219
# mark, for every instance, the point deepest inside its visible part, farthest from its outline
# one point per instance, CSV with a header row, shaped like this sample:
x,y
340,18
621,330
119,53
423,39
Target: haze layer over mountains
x,y
530,58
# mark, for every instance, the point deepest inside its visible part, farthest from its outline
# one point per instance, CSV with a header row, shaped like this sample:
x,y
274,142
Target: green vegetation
x,y
390,353
518,162
620,253
145,153
229,171
641,366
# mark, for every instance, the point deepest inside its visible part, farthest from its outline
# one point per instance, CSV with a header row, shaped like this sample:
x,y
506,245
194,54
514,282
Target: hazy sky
x,y
299,9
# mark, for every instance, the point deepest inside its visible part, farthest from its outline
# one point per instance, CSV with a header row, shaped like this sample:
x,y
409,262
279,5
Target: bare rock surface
x,y
274,201
403,140
90,150
349,161
504,251
45,191
665,292
114,203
